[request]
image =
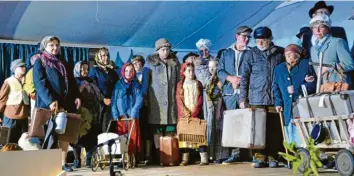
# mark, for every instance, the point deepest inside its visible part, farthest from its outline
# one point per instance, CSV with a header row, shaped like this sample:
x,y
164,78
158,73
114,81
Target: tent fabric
x,y
134,25
10,52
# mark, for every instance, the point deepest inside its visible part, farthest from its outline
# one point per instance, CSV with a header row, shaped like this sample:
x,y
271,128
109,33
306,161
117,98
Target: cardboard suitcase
x,y
326,104
169,151
244,128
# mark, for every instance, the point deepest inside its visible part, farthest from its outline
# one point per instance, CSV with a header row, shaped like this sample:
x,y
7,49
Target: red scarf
x,y
122,72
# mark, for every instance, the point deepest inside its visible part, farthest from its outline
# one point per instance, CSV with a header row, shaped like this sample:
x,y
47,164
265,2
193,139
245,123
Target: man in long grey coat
x,y
163,78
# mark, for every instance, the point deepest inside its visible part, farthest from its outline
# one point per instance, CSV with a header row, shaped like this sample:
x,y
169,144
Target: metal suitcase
x,y
326,104
244,128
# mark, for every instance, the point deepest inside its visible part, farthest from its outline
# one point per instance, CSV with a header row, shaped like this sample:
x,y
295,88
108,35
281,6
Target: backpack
x,y
28,84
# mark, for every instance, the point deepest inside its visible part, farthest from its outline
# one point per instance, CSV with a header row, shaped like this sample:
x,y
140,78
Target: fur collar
x,y
155,60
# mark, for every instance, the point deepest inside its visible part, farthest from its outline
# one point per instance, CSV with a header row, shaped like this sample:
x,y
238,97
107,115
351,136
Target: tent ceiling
x,y
140,24
130,24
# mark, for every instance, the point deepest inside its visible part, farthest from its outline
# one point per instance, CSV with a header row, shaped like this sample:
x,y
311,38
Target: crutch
x,y
283,131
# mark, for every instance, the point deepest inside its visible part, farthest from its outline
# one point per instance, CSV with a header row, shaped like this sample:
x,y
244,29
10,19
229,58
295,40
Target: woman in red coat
x,y
189,97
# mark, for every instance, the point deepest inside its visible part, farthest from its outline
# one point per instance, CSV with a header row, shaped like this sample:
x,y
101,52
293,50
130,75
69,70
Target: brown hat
x,y
242,29
162,42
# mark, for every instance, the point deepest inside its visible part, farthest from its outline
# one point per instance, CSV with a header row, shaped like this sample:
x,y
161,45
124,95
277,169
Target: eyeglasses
x,y
248,36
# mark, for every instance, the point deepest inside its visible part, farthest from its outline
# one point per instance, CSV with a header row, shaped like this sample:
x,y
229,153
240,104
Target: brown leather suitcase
x,y
39,118
72,130
169,151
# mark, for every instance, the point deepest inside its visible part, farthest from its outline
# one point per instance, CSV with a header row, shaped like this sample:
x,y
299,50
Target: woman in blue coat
x,y
127,100
288,78
55,87
105,76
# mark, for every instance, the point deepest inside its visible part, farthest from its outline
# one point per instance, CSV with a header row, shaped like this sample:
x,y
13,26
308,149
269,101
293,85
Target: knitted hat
x,y
16,63
320,19
162,42
293,48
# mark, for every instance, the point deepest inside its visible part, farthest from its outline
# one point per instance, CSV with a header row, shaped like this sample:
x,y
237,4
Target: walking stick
x,y
282,130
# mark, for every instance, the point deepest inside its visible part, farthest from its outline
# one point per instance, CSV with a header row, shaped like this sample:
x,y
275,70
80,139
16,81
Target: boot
x,y
148,152
203,158
185,159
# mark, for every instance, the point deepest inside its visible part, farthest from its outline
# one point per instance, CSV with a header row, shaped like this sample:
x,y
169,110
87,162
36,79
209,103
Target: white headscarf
x,y
206,43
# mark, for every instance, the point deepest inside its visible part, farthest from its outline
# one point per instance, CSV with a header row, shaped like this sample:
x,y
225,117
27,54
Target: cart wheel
x,y
132,161
125,161
95,161
305,155
345,162
102,166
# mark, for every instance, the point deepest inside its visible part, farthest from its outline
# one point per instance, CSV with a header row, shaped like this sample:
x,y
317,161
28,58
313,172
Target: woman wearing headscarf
x,y
91,97
203,45
127,100
55,85
105,76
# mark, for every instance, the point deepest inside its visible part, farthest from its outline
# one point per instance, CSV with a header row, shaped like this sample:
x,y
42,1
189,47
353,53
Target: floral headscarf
x,y
99,62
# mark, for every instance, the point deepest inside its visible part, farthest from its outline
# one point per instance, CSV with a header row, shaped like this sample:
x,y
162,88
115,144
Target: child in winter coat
x,y
127,100
189,97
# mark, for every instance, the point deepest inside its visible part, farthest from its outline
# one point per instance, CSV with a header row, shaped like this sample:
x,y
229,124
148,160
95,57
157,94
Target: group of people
x,y
158,91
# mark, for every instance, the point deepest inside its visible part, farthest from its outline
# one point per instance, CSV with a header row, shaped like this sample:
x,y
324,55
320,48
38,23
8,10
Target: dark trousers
x,y
105,117
17,127
274,137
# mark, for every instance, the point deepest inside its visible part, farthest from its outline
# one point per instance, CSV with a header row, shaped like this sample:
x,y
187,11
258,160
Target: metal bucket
x,y
60,121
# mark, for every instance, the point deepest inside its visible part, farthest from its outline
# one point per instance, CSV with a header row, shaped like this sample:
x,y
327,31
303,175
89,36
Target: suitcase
x,y
169,151
326,104
244,128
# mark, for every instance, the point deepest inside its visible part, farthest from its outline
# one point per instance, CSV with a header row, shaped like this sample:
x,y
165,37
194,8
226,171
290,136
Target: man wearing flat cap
x,y
14,102
321,8
229,74
163,78
256,91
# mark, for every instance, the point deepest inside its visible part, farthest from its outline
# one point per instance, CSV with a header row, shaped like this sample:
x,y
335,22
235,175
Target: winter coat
x,y
104,80
283,79
335,52
183,111
51,86
257,75
163,79
127,99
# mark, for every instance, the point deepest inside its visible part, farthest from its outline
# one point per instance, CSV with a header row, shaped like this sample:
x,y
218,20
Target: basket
x,y
192,130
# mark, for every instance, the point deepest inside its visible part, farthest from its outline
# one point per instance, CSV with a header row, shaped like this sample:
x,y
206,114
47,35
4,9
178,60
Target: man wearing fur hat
x,y
164,75
203,45
14,102
256,90
229,74
321,8
335,50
